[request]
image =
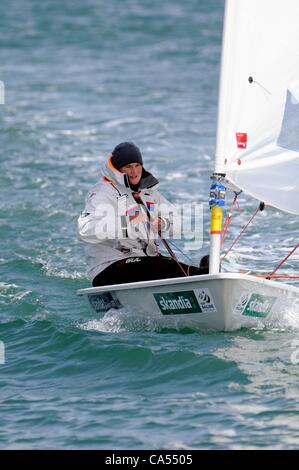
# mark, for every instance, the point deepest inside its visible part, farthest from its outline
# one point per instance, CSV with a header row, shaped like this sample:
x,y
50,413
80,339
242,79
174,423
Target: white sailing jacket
x,y
114,225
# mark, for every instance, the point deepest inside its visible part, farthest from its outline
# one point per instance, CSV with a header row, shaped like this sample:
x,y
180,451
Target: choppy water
x,y
81,77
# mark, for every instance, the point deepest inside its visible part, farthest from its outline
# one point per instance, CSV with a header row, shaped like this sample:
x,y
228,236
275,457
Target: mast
x,y
217,191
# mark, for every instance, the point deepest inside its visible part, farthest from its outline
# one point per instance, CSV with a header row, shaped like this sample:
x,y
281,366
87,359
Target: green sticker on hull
x,y
258,305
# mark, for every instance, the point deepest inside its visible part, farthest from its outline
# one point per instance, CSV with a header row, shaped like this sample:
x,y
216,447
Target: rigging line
x,y
228,217
284,260
173,256
250,79
181,251
260,208
275,276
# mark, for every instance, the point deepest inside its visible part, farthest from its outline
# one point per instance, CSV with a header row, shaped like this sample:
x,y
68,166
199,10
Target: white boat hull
x,y
220,302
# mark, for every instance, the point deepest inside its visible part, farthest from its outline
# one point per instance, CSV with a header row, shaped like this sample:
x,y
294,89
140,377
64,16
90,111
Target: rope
x,y
260,208
173,256
271,276
277,276
181,251
225,229
284,260
229,216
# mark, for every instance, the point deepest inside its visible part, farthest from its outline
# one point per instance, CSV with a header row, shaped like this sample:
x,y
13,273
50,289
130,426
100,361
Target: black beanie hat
x,y
126,153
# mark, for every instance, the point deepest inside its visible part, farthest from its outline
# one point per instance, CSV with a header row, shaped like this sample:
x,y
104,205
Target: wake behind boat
x,y
257,152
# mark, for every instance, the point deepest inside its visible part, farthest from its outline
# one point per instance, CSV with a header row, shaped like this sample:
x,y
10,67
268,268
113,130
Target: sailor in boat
x,y
124,217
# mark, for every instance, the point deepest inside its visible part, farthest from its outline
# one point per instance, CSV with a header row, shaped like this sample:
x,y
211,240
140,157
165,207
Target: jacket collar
x,y
111,174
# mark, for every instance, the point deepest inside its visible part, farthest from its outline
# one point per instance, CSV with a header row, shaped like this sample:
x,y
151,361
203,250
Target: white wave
x,y
62,273
118,321
120,122
175,176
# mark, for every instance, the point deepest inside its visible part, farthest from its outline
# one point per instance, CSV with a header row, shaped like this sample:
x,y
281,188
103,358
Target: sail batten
x,y
258,114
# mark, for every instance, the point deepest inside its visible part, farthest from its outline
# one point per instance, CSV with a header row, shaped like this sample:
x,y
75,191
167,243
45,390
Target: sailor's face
x,y
134,172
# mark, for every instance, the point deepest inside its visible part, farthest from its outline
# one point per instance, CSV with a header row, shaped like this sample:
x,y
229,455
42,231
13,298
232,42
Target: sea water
x,y
80,77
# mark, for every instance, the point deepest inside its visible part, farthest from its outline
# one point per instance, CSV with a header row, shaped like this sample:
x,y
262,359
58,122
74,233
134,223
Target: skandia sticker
x,y
259,305
172,303
241,140
205,300
255,305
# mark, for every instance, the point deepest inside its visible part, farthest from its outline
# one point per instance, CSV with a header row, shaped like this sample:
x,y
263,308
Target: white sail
x,y
258,117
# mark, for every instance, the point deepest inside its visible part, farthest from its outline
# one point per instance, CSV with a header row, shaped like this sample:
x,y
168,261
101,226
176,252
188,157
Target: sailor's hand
x,y
139,219
158,224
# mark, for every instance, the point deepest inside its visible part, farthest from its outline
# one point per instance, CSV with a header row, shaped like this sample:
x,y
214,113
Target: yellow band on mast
x,y
216,220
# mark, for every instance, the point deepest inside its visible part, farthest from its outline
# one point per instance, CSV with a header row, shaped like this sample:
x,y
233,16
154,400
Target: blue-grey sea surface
x,y
80,77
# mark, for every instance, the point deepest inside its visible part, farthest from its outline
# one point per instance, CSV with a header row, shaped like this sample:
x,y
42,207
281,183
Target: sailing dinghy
x,y
257,152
